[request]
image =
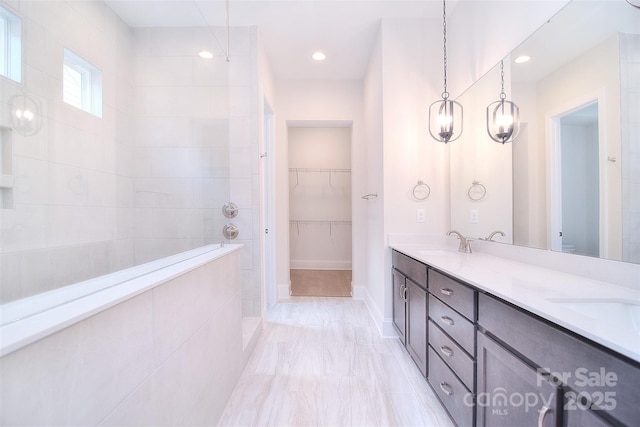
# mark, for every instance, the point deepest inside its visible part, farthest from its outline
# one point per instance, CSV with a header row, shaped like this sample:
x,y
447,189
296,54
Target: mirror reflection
x,y
571,180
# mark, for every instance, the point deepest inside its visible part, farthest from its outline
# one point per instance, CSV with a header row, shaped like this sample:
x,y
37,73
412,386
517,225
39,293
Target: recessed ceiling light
x,y
319,56
205,54
522,59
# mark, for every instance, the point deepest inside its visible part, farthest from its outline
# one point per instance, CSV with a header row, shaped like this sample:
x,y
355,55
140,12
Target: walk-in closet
x,y
320,211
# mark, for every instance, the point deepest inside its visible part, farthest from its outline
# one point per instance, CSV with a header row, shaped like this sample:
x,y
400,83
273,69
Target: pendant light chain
x,y
445,94
503,96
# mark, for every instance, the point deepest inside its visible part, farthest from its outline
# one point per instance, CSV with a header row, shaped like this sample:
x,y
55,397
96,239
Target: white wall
x,y
374,239
481,33
169,356
409,85
319,103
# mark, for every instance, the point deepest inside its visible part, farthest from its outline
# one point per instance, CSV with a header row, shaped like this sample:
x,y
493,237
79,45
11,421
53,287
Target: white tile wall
x,y
161,151
161,358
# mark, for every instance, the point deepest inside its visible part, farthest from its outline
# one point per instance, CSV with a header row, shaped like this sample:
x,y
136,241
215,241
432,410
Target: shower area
x,y
120,145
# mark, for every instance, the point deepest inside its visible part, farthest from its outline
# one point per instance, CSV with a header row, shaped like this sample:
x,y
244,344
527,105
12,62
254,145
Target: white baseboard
x,y
384,325
358,292
284,291
320,265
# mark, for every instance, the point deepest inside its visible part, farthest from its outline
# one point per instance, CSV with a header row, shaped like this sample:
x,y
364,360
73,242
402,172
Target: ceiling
x,y
291,30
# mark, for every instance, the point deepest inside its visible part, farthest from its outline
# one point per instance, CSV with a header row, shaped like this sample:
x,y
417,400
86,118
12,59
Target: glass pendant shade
x,y
445,120
26,115
503,121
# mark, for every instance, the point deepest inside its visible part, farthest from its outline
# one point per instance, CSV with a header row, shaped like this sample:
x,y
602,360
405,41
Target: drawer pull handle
x,y
543,413
448,320
448,292
446,351
446,388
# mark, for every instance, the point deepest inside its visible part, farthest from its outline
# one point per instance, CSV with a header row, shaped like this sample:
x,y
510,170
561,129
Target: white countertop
x,y
605,313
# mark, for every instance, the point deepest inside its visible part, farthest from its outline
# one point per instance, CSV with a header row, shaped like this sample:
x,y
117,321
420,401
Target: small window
x,y
82,84
10,45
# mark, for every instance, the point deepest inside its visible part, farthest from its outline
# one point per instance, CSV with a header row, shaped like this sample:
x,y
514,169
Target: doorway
x,y
320,211
577,182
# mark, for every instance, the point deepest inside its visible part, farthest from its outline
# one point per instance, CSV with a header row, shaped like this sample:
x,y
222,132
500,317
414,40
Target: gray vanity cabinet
x,y
452,345
599,387
410,307
399,305
510,392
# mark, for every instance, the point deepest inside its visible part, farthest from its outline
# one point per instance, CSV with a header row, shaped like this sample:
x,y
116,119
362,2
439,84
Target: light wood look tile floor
x,y
321,362
320,283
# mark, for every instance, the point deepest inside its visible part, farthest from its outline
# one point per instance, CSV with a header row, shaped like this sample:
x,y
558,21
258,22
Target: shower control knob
x,y
230,210
230,231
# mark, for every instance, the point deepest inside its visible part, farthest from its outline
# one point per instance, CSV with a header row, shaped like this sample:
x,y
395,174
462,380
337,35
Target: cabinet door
x,y
510,392
399,307
417,325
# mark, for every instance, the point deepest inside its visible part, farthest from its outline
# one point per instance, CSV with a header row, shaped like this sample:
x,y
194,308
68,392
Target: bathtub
x,y
27,320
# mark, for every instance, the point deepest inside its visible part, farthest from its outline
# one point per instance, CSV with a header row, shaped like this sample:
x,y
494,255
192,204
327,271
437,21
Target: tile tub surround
x,y
321,361
170,355
535,288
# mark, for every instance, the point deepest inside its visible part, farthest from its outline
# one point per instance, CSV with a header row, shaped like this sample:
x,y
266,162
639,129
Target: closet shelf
x,y
297,171
297,223
319,170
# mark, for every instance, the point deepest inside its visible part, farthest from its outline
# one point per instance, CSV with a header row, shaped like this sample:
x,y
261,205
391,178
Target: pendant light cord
x,y
445,94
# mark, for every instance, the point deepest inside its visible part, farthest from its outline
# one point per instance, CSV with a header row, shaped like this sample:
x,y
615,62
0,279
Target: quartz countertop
x,y
605,313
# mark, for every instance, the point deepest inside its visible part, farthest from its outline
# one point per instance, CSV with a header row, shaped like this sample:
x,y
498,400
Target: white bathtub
x,y
27,320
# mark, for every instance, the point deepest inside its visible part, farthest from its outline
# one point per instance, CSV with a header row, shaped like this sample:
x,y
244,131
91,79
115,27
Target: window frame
x,y
89,86
11,40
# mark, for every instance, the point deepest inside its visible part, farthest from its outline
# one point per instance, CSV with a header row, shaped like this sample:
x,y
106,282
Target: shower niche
x,y
6,168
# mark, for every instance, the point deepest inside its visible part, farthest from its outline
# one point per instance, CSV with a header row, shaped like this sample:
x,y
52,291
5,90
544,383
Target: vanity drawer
x,y
459,296
453,394
452,354
454,324
411,268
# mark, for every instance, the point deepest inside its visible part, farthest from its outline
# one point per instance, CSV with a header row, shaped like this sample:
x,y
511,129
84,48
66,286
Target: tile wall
x,y
630,72
170,356
177,139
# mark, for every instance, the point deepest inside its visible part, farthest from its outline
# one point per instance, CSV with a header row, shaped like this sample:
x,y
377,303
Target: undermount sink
x,y
436,252
620,312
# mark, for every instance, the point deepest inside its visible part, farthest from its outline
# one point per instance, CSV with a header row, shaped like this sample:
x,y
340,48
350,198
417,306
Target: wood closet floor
x,y
321,283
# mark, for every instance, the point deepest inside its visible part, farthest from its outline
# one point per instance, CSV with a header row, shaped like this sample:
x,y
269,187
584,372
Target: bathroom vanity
x,y
506,343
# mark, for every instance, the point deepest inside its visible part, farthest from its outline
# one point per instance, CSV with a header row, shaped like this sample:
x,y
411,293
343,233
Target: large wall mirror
x,y
571,181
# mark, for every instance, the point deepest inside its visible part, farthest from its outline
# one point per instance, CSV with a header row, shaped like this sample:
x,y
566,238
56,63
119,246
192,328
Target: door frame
x,y
554,168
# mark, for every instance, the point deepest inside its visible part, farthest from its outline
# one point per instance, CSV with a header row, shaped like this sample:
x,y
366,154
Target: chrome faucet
x,y
490,238
465,243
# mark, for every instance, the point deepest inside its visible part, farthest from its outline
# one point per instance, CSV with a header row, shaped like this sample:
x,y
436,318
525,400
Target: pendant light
x,y
503,117
445,116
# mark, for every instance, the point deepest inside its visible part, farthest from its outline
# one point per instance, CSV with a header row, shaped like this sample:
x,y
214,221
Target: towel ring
x,y
477,191
421,191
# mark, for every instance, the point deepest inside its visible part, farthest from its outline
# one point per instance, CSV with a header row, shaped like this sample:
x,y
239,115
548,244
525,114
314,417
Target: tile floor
x,y
321,362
